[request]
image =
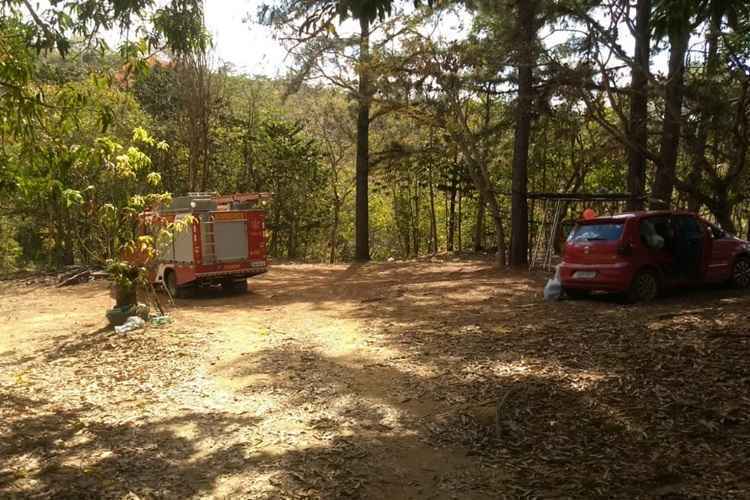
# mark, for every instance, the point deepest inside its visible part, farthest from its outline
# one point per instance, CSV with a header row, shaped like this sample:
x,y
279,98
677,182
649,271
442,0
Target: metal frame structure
x,y
555,208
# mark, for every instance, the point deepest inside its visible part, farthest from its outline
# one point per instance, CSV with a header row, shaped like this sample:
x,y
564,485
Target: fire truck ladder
x,y
208,239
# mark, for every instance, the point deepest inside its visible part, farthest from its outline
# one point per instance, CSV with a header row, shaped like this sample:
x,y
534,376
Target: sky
x,y
241,41
251,48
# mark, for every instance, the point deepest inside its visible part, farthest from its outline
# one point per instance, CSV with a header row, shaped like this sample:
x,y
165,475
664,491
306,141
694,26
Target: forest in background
x,y
386,140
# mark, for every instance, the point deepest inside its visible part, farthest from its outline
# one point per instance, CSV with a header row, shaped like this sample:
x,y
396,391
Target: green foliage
x,y
287,163
81,174
125,275
10,250
83,138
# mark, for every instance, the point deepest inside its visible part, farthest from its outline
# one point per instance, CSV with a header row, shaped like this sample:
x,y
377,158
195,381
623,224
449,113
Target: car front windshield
x,y
596,232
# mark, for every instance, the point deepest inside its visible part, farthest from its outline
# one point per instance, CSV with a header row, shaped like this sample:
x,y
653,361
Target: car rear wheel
x,y
645,287
741,273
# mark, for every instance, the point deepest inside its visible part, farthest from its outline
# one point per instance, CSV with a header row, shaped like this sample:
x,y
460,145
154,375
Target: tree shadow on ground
x,y
434,453
642,399
63,453
538,433
353,284
483,391
670,377
78,343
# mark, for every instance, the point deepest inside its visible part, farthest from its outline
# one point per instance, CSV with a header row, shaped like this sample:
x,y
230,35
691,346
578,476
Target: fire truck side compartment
x,y
231,240
183,245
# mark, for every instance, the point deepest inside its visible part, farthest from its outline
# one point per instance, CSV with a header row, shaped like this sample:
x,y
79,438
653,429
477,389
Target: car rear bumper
x,y
609,277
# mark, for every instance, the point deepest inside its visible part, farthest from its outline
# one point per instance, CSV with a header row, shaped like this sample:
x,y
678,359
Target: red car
x,y
642,253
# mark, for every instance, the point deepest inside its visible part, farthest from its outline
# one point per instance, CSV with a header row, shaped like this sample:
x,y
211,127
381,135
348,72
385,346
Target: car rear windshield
x,y
610,231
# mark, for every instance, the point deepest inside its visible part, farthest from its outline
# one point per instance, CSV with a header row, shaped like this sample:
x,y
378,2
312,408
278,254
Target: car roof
x,y
636,215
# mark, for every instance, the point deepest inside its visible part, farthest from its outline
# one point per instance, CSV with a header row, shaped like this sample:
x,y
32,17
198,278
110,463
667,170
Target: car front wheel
x,y
741,273
645,287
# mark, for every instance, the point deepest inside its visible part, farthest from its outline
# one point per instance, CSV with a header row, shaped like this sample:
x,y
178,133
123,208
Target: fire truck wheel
x,y
170,282
179,292
240,286
234,286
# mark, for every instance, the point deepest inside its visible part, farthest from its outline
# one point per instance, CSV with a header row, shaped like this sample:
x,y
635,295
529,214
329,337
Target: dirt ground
x,y
419,380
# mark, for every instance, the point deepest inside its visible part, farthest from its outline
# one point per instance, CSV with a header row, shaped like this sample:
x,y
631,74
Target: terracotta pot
x,y
124,296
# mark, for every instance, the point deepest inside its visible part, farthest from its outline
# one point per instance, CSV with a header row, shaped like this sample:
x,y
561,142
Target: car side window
x,y
688,227
655,232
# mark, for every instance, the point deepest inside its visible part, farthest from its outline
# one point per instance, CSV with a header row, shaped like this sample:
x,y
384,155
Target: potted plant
x,y
125,277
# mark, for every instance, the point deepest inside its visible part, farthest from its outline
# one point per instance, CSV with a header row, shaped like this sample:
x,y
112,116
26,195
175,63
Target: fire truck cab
x,y
224,243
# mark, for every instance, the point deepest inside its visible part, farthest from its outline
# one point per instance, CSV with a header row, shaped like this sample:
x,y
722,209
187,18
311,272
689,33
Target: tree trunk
x,y
403,227
481,178
197,106
483,184
491,200
205,127
460,217
61,254
335,228
638,129
362,251
697,164
414,211
499,233
661,192
519,202
723,212
291,250
479,225
699,150
451,216
68,240
275,234
433,218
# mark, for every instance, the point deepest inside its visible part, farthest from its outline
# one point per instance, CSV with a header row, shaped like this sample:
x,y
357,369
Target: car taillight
x,y
625,249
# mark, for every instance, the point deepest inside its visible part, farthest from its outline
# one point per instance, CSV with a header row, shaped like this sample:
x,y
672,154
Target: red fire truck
x,y
224,244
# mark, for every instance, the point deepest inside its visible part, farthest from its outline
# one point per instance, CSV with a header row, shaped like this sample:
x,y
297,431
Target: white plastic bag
x,y
553,288
132,323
